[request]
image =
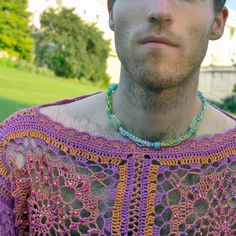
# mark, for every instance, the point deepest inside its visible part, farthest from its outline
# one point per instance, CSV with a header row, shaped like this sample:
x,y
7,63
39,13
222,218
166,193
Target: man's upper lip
x,y
156,39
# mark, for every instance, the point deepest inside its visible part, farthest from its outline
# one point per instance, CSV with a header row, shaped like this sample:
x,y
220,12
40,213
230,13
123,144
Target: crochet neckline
x,y
103,143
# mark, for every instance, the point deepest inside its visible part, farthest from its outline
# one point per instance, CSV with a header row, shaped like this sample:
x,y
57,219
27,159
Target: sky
x,y
231,4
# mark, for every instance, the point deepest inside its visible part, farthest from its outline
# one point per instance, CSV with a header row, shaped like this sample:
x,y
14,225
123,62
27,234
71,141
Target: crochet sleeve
x,y
7,225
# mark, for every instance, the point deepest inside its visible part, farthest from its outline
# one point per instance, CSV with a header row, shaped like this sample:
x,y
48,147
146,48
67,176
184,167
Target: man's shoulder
x,y
69,113
217,121
223,119
82,104
85,113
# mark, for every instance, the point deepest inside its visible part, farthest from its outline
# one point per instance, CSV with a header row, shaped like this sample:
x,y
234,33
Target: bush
x,y
27,66
70,47
45,72
15,32
228,103
7,63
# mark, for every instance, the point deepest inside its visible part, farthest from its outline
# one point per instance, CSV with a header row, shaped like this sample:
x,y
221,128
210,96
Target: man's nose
x,y
160,11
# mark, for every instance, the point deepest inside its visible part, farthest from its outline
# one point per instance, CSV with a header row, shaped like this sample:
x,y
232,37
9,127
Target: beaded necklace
x,y
116,124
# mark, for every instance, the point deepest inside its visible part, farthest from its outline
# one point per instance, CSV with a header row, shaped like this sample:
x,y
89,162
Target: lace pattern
x,y
73,183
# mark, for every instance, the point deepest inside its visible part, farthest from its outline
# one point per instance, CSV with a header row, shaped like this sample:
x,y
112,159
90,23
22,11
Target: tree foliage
x,y
228,103
70,47
14,29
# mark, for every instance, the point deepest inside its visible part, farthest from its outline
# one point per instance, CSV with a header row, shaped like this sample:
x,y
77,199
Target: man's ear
x,y
110,11
219,24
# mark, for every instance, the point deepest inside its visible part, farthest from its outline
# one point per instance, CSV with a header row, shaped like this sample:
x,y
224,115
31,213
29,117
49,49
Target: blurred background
x,y
55,49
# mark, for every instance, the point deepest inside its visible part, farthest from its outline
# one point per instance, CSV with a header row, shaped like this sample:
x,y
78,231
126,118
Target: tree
x,y
14,29
70,47
227,103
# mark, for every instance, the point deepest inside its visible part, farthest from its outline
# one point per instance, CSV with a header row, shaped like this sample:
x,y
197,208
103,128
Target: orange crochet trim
x,y
105,160
3,170
116,218
2,146
151,198
178,219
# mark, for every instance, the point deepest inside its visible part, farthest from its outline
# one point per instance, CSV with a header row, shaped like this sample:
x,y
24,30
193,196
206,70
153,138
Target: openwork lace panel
x,y
59,181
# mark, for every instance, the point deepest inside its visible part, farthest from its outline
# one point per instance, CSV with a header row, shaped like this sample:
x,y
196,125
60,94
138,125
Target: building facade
x,y
218,71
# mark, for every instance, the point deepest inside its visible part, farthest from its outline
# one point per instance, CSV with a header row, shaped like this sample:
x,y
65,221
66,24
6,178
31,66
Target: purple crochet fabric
x,y
74,183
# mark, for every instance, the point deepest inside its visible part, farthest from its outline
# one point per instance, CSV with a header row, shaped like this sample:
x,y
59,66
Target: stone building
x,y
218,71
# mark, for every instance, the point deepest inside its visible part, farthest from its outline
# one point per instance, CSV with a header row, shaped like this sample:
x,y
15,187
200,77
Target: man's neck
x,y
156,114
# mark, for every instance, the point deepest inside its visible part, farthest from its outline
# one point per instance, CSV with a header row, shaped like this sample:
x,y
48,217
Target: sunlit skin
x,y
161,44
187,24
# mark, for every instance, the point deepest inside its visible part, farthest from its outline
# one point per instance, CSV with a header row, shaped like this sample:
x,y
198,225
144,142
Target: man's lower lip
x,y
156,45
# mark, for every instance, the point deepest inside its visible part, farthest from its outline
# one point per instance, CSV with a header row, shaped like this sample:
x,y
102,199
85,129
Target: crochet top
x,y
56,180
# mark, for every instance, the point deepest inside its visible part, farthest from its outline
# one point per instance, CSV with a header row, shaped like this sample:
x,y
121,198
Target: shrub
x,y
27,66
228,103
70,47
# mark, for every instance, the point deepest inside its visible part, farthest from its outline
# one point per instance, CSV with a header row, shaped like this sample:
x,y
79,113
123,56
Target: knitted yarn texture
x,y
74,183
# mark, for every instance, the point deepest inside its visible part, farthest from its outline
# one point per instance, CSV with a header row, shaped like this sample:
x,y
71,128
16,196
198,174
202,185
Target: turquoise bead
x,y
157,145
191,131
113,87
194,125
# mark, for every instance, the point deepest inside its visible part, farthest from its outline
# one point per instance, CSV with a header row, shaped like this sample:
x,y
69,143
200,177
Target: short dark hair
x,y
219,4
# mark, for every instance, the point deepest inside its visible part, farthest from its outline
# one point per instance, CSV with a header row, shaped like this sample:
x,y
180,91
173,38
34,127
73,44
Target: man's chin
x,y
155,81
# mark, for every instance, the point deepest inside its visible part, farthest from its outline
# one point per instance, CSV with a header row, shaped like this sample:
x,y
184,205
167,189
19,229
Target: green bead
x,y
116,124
194,125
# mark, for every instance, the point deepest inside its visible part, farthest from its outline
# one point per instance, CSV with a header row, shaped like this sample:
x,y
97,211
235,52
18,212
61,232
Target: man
x,y
149,157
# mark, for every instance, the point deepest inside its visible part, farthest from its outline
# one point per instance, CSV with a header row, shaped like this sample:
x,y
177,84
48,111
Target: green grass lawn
x,y
19,89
